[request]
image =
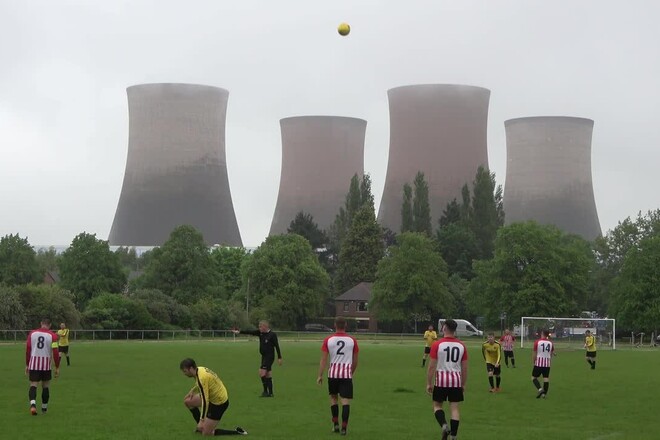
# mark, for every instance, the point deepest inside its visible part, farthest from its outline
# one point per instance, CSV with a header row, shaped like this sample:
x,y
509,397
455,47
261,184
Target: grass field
x,y
134,390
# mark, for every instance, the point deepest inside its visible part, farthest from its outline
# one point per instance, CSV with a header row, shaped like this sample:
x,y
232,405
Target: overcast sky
x,y
65,65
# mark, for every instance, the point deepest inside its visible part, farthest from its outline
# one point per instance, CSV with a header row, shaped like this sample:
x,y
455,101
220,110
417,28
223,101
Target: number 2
x,y
341,345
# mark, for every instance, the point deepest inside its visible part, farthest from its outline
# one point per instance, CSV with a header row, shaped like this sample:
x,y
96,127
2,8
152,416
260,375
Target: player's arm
x,y
204,389
323,363
433,365
276,343
534,350
434,335
483,351
28,351
499,353
356,351
55,353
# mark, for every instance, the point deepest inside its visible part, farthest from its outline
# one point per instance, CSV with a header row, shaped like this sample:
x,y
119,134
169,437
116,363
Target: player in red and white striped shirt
x,y
507,341
342,350
40,352
446,377
542,354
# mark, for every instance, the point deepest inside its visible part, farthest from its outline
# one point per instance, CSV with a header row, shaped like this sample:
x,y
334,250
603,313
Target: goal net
x,y
567,332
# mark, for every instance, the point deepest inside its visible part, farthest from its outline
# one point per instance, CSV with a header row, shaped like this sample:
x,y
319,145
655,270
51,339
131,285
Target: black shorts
x,y
447,394
508,354
63,349
215,412
427,350
267,363
541,371
591,354
40,375
341,387
496,370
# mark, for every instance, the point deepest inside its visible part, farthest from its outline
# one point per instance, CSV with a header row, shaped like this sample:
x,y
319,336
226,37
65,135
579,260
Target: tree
x,y
487,212
411,279
361,251
536,271
127,257
286,280
113,311
636,291
47,260
12,313
163,308
89,267
421,207
182,267
18,264
407,209
305,226
451,214
48,301
459,248
227,263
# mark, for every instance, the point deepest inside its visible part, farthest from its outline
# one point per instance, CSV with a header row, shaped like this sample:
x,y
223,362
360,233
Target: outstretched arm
x,y
322,364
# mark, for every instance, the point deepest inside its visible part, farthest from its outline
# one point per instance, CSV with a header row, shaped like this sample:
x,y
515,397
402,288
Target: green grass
x,y
134,390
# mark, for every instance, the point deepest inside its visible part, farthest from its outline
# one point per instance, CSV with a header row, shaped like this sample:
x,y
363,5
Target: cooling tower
x,y
548,174
176,170
439,129
320,155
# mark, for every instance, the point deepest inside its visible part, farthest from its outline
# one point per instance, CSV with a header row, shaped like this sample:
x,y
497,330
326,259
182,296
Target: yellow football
x,y
344,29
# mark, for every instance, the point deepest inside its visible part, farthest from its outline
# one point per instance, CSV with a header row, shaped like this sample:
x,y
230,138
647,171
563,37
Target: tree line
x,y
469,265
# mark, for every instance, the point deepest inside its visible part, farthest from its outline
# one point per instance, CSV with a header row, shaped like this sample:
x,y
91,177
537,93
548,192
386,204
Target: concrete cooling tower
x,y
439,130
548,174
320,155
176,171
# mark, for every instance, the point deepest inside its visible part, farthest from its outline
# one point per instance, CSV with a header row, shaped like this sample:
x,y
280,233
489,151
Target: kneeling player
x,y
209,394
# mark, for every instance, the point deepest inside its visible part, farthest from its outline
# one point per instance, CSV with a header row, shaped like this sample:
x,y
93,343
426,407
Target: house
x,y
51,277
354,304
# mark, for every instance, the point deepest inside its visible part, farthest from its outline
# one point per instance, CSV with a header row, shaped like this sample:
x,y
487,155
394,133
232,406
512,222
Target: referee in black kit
x,y
268,343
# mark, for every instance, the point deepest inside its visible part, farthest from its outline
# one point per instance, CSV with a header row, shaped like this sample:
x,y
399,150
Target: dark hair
x,y
491,334
187,363
545,333
45,321
340,323
451,325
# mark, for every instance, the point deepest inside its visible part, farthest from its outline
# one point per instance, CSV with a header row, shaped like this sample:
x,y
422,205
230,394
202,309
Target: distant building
x,y
548,174
320,155
440,130
176,169
51,277
354,304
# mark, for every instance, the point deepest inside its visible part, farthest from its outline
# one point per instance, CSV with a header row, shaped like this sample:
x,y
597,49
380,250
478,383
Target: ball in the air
x,y
344,29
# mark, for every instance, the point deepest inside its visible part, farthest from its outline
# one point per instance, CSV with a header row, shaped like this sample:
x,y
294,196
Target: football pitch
x,y
134,390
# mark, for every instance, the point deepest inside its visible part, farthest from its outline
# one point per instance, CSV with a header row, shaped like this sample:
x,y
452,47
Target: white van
x,y
463,328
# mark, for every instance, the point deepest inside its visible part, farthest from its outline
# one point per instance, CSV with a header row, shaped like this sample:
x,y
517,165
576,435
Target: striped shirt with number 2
x,y
450,353
340,348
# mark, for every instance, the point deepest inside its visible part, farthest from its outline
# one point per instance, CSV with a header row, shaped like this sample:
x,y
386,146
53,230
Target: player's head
x,y
188,367
264,326
545,333
430,327
449,327
340,323
45,323
588,333
491,337
507,331
62,325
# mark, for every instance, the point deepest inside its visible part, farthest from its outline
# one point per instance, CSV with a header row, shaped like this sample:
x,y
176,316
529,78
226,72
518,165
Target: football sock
x,y
498,381
263,383
546,385
490,381
196,413
32,394
536,383
513,362
454,427
593,365
45,395
506,361
440,417
269,385
423,362
334,410
225,432
68,361
345,412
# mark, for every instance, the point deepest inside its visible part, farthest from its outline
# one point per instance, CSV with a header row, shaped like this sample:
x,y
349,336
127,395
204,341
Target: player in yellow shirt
x,y
430,337
209,394
492,352
590,345
63,342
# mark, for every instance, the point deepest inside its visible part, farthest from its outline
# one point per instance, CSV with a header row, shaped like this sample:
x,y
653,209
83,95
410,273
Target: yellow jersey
x,y
590,343
492,352
63,339
430,336
210,388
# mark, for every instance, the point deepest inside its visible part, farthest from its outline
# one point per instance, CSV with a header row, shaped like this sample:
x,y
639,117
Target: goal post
x,y
569,332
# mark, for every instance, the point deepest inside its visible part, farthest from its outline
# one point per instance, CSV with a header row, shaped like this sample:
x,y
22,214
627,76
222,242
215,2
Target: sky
x,y
65,66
